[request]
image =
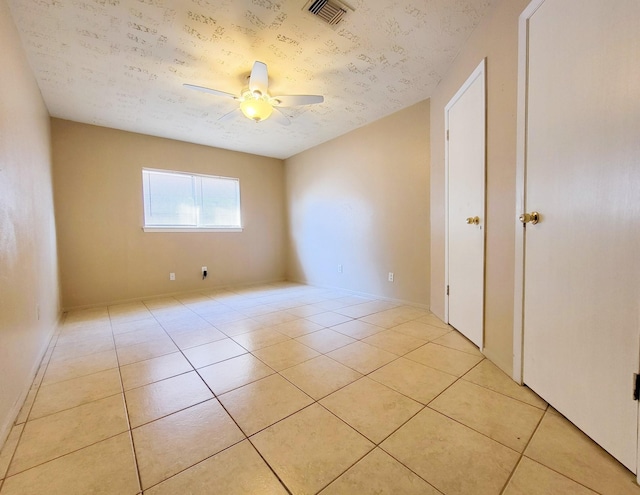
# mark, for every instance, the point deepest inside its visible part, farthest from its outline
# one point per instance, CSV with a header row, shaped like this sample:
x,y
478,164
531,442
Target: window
x,y
175,201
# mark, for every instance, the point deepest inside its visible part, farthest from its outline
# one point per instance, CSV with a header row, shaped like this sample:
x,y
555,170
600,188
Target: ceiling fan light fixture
x,y
255,106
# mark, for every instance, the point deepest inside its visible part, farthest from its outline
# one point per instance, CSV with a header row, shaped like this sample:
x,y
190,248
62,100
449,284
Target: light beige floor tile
x,y
148,323
362,357
148,350
165,397
306,310
153,370
84,315
532,478
365,309
379,474
234,373
104,468
325,340
83,335
328,319
285,354
213,352
393,317
9,448
185,339
238,470
260,338
171,444
561,446
262,403
320,376
184,324
259,310
297,328
80,366
432,319
139,336
451,457
501,418
74,392
347,299
412,379
82,348
310,449
396,342
128,311
275,318
238,327
223,318
371,408
331,304
178,317
357,329
456,340
421,330
444,359
58,434
207,310
488,375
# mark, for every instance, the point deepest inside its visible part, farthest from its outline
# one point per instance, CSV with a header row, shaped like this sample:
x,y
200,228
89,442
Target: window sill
x,y
191,229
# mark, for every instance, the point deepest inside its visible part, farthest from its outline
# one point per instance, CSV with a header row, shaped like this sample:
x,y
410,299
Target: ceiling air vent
x,y
330,11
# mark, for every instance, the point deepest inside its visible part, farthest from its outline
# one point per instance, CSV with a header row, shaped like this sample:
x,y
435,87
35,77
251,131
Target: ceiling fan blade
x,y
259,79
279,117
231,115
209,90
294,100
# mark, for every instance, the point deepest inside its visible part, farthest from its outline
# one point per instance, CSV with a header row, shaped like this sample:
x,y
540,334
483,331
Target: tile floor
x,y
286,388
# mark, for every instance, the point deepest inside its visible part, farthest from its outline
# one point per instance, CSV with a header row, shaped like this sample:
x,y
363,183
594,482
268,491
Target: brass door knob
x,y
533,217
473,221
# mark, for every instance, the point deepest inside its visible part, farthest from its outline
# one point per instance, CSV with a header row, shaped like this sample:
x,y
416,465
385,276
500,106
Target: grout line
x,y
513,471
126,409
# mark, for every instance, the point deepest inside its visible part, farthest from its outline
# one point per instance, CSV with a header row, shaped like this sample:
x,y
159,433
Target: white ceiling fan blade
x,y
279,117
209,90
259,80
294,100
231,115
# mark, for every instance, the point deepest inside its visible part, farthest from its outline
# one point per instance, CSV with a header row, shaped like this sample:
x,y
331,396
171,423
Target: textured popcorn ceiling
x,y
122,63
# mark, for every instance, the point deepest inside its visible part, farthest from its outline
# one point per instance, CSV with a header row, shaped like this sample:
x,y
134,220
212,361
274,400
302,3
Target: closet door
x,y
582,251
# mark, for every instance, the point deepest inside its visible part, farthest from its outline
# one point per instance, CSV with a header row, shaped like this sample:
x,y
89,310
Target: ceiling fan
x,y
255,101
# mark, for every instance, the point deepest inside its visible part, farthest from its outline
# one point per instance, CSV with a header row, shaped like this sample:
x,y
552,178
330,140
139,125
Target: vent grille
x,y
330,12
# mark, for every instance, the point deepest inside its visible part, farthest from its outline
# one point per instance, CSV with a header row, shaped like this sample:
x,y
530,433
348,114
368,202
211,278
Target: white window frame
x,y
197,192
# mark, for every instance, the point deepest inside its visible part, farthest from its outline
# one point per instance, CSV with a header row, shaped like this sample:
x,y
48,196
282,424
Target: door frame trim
x,y
521,167
478,72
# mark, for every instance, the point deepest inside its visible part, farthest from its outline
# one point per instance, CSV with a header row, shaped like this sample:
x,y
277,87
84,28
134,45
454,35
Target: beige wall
x,y
496,39
28,268
104,254
362,201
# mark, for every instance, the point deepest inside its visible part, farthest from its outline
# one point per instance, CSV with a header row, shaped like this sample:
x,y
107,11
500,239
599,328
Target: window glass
x,y
181,200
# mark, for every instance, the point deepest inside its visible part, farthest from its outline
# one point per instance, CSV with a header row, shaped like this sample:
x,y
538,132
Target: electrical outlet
x,y
390,277
204,272
172,276
339,268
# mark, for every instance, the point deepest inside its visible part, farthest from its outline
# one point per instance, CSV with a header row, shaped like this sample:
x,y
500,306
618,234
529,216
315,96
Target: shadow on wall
x,y
332,237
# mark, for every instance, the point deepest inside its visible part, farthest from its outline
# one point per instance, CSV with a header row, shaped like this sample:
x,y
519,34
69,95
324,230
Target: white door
x,y
465,163
582,174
